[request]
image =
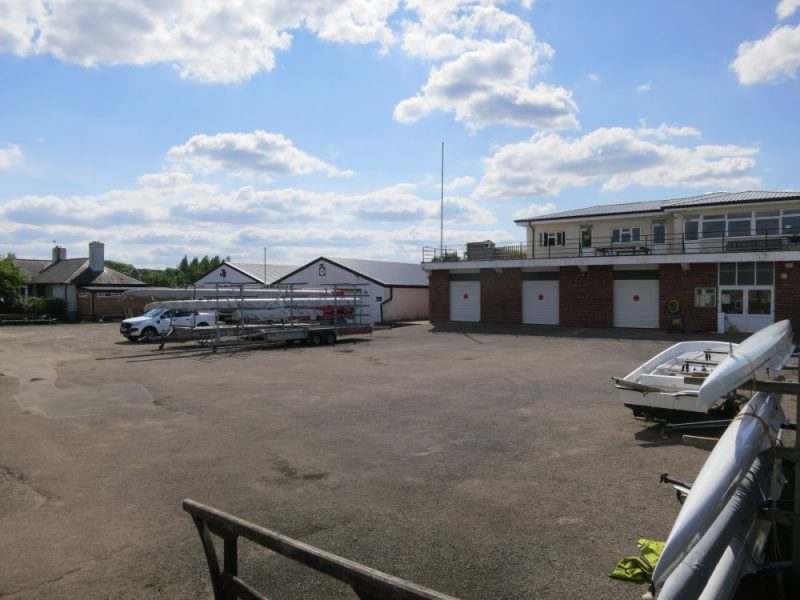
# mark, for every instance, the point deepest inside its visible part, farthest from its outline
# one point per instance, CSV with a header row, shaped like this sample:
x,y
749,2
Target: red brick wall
x,y
501,296
676,285
586,299
439,296
787,293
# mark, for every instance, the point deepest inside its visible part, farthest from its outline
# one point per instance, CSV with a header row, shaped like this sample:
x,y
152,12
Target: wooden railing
x,y
368,584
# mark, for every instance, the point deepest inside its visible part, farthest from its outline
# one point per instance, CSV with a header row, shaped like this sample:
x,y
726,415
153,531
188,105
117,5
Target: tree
x,y
11,279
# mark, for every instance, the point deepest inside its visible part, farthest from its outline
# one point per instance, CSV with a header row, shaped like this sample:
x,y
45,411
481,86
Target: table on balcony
x,y
621,250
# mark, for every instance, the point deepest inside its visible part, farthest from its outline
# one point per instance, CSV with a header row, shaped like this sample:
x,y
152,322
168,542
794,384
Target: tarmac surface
x,y
482,463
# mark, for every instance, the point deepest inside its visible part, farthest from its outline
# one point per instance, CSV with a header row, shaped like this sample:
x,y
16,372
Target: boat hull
x,y
754,430
768,348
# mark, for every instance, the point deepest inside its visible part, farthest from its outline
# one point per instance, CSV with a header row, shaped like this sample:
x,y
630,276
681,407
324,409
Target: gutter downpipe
x,y
389,299
530,225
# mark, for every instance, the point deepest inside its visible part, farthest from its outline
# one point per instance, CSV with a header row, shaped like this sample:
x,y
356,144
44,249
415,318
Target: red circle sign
x,y
636,298
466,296
541,296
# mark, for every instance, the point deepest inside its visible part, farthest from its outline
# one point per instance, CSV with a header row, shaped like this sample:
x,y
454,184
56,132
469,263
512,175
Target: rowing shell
x,y
754,430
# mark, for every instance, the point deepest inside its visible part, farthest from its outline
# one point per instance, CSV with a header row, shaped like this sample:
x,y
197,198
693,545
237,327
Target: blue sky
x,y
314,127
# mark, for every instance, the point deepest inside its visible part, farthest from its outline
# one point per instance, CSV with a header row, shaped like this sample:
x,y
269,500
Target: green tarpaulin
x,y
639,568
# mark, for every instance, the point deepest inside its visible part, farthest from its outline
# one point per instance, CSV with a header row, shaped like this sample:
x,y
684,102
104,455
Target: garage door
x,y
540,302
636,303
465,301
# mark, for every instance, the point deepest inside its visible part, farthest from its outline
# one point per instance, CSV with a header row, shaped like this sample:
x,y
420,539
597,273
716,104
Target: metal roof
x,y
712,199
388,274
256,271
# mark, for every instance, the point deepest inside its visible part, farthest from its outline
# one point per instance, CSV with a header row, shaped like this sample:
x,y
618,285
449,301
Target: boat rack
x,y
287,329
367,583
789,517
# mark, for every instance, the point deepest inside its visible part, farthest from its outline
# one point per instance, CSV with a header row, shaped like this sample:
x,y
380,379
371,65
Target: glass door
x,y
747,309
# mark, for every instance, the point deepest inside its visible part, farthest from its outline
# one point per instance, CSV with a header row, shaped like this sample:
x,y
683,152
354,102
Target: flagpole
x,y
441,213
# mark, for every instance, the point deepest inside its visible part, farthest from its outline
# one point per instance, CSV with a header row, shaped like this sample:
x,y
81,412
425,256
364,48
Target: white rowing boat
x,y
657,389
768,348
755,429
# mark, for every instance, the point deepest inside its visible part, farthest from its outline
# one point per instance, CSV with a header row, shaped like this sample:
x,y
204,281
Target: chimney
x,y
59,253
96,257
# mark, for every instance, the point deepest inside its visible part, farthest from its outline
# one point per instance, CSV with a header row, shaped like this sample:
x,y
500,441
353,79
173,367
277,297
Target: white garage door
x,y
540,302
465,301
636,303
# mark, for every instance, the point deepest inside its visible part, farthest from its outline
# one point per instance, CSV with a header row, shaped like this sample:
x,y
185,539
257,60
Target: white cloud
x,y
460,182
645,87
535,210
616,157
258,154
169,215
215,40
594,77
664,131
10,157
490,85
769,59
786,8
487,60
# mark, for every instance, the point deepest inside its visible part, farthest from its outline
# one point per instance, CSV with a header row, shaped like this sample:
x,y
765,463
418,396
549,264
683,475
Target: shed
x,y
391,291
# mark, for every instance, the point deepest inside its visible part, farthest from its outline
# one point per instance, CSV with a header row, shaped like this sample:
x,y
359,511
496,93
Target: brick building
x,y
715,262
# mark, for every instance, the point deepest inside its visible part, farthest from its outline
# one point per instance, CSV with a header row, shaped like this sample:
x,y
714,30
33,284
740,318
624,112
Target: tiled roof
x,y
713,199
30,267
62,271
71,271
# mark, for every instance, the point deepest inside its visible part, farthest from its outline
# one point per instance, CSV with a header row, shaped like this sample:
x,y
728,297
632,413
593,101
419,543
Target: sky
x,y
241,128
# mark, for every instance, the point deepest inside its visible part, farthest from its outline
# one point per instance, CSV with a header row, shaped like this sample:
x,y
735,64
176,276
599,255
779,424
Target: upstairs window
x,y
691,228
625,235
768,222
713,226
791,221
739,224
558,238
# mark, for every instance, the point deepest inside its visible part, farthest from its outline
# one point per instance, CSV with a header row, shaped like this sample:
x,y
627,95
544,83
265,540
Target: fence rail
x,y
561,247
368,584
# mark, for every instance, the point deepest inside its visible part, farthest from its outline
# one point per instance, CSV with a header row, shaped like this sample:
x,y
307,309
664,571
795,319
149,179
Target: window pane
x,y
767,226
768,213
738,228
659,233
727,273
691,230
732,301
746,273
791,225
626,236
615,235
764,273
635,234
713,217
713,229
759,302
740,215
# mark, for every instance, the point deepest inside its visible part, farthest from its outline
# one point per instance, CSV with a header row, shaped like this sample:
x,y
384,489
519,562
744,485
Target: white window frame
x,y
634,235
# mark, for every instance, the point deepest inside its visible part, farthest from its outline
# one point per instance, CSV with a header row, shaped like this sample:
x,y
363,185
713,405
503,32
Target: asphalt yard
x,y
482,465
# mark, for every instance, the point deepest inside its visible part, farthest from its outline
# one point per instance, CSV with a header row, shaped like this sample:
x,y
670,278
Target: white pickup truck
x,y
158,321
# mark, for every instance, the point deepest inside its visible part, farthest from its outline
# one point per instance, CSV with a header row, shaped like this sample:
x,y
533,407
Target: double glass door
x,y
747,308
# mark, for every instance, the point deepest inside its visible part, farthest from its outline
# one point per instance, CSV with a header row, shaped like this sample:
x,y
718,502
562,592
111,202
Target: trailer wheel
x,y
316,340
330,338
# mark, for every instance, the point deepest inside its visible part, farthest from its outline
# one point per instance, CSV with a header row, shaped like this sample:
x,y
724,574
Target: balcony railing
x,y
770,241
